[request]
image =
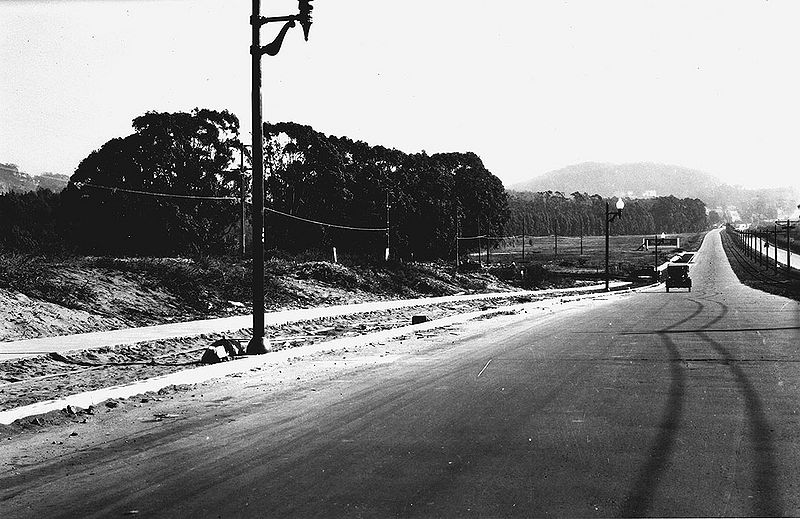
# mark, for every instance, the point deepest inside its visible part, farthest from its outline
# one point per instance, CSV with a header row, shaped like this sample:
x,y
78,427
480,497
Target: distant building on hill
x,y
12,179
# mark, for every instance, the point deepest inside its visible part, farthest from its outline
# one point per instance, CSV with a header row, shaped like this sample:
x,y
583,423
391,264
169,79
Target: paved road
x,y
651,404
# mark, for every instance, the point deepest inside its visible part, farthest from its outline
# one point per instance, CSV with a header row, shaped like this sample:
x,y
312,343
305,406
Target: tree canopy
x,y
185,154
553,212
172,187
337,180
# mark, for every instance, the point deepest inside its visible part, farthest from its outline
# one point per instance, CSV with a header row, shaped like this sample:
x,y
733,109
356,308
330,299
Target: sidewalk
x,y
83,341
794,258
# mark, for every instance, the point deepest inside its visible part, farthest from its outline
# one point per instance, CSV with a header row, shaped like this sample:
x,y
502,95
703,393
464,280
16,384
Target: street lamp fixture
x,y
610,217
303,16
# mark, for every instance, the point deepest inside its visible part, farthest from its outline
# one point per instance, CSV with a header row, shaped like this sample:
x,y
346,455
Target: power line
x,y
502,237
375,229
483,236
236,199
148,193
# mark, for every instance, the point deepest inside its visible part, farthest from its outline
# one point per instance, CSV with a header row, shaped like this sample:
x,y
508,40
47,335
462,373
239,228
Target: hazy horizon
x,y
531,88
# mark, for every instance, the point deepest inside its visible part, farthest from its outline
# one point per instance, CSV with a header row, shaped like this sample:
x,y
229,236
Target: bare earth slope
x,y
43,298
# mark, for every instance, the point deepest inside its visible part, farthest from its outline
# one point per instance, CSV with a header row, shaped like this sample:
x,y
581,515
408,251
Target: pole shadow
x,y
767,500
640,498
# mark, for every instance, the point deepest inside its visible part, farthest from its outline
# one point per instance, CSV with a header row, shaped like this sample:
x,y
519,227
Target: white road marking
x,y
484,368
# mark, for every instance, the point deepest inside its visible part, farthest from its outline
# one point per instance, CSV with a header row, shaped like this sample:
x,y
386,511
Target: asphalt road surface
x,y
650,404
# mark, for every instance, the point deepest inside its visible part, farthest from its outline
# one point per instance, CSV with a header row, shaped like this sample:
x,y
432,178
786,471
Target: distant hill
x,y
646,180
639,180
12,179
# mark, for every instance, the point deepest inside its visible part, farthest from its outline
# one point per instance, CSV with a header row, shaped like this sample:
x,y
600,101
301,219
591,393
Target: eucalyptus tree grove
x,y
172,187
350,183
553,212
179,155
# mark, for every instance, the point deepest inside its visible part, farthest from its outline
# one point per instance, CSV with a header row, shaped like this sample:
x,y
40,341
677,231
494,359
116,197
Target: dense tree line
x,y
29,222
192,160
553,212
181,154
349,183
106,208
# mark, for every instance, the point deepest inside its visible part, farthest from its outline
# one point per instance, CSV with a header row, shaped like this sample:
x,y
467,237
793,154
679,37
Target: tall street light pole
x,y
610,217
256,344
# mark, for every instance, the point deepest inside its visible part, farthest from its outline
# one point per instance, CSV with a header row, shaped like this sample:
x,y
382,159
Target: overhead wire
x,y
230,198
382,229
149,193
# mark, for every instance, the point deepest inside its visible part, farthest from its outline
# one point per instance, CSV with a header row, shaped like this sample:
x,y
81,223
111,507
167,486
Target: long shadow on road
x,y
639,500
767,496
767,499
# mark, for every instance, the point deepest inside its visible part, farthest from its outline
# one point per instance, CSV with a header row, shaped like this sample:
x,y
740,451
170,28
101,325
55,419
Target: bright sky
x,y
530,86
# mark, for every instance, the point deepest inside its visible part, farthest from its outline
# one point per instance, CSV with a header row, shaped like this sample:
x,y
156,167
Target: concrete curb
x,y
243,364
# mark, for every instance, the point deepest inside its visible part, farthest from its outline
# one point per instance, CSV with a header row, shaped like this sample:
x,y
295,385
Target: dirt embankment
x,y
41,297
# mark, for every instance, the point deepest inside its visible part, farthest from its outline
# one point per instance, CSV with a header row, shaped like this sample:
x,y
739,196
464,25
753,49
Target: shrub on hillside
x,y
34,277
197,282
331,273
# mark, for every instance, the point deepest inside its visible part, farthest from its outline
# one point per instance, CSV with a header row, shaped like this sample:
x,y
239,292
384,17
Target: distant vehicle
x,y
678,276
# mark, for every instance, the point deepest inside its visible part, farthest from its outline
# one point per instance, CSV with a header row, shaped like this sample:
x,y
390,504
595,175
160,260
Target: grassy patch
x,y
584,258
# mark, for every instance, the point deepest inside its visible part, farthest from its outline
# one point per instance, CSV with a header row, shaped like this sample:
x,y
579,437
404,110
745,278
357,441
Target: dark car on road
x,y
678,276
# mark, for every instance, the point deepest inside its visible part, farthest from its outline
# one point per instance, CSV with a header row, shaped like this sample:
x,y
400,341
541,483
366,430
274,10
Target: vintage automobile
x,y
678,276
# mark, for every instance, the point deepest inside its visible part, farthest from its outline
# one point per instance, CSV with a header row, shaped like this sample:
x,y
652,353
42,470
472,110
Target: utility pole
x,y
242,181
555,237
776,247
655,261
457,236
607,222
487,242
789,226
478,225
387,226
523,237
788,248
